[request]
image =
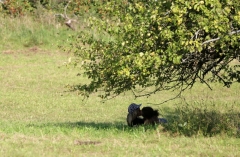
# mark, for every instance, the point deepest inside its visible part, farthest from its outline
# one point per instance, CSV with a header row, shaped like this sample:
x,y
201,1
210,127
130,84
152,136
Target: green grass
x,y
26,32
38,117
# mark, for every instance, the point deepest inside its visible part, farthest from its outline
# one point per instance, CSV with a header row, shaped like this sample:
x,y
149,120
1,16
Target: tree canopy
x,y
147,46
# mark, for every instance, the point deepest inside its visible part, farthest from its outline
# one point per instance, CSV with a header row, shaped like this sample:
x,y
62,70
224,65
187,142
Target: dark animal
x,y
150,116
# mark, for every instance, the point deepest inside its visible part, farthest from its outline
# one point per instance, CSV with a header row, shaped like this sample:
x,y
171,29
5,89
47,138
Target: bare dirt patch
x,y
78,142
30,51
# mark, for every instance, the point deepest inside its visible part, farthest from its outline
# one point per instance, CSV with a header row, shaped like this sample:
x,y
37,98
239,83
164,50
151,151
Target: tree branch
x,y
213,65
65,10
68,21
212,40
234,32
195,34
177,96
205,82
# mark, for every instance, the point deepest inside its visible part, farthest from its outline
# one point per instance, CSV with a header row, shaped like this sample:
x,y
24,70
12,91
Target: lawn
x,y
39,117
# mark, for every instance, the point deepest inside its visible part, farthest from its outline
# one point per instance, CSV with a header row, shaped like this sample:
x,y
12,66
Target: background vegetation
x,y
40,117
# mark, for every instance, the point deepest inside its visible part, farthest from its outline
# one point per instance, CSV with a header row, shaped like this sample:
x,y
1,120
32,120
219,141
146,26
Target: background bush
x,y
203,119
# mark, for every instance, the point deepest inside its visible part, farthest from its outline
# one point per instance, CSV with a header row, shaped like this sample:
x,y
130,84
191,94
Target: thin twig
x,y
65,9
221,79
177,96
213,65
195,34
204,82
106,99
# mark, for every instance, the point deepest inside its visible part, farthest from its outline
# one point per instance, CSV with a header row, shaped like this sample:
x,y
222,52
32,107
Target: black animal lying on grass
x,y
149,115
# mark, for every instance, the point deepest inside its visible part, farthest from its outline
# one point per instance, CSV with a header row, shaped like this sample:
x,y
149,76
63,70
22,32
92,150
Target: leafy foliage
x,y
16,7
163,44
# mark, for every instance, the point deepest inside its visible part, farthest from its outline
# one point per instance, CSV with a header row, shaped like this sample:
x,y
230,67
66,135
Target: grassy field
x,y
38,117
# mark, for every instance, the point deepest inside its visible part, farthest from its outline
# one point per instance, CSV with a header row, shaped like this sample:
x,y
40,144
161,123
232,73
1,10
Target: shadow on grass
x,y
86,125
187,121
